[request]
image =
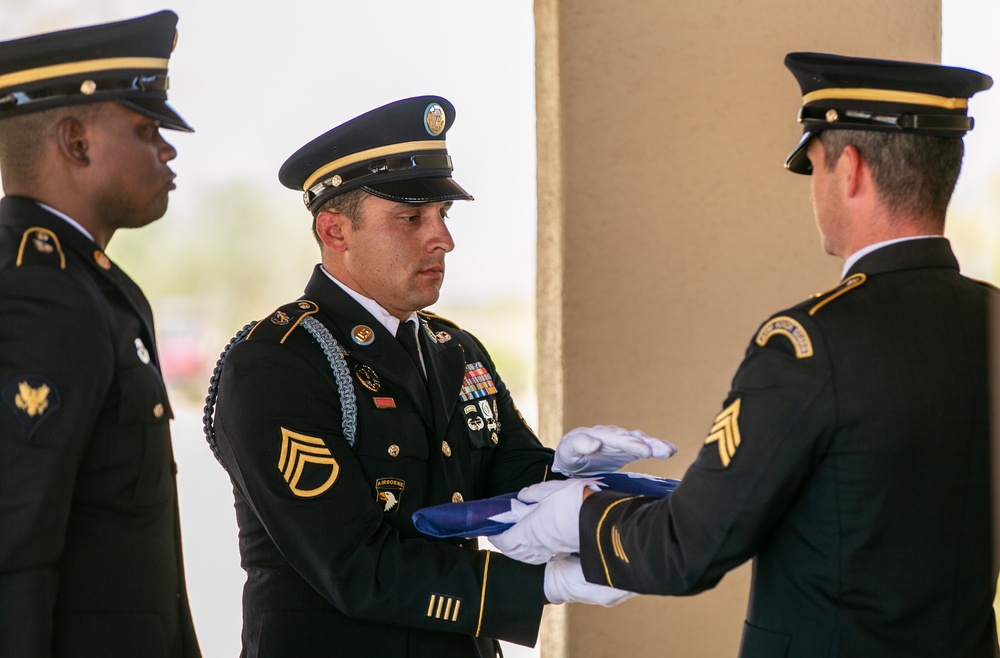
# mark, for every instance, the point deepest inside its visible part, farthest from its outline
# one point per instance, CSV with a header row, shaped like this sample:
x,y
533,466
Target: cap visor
x,y
159,110
420,190
798,162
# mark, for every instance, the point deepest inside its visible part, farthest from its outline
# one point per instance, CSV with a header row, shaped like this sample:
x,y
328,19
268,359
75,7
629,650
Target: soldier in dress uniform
x,y
90,551
850,459
345,411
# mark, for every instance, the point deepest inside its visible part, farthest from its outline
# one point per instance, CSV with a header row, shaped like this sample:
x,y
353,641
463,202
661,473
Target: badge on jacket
x,y
726,432
477,383
32,398
306,464
390,494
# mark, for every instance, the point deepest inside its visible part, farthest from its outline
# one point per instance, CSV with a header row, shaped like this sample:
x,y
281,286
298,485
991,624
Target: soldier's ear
x,y
852,167
72,137
332,228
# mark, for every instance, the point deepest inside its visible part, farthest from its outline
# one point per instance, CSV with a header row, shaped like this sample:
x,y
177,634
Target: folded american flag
x,y
491,516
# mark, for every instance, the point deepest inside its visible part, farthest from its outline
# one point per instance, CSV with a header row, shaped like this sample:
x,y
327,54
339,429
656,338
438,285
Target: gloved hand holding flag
x,y
491,516
605,448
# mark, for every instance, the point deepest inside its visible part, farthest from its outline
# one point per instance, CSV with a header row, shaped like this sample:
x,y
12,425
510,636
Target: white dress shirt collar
x,y
389,321
69,220
864,251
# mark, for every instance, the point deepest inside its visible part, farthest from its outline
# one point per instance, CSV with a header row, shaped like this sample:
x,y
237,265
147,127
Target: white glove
x,y
604,449
564,582
551,527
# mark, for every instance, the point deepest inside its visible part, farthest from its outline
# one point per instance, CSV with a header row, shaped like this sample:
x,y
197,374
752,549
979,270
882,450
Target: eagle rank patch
x,y
32,398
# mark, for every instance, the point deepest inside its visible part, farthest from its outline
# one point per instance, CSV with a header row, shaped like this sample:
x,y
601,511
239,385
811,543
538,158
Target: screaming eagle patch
x,y
32,398
306,464
390,493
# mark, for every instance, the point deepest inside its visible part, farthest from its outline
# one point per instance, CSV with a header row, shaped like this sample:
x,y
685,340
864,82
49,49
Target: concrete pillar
x,y
668,231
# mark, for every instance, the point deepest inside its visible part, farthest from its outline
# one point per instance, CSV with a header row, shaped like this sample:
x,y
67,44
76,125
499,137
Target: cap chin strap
x,y
88,91
946,124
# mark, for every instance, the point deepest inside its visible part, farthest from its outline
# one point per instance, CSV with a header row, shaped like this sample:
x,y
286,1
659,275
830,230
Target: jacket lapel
x,y
445,364
380,351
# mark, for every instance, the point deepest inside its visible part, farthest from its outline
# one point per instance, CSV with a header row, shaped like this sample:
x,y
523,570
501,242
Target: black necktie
x,y
408,337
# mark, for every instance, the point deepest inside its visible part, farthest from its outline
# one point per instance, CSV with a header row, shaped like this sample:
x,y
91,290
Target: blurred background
x,y
257,82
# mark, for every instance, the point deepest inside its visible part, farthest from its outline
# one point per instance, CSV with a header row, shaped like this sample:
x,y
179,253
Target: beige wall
x,y
668,230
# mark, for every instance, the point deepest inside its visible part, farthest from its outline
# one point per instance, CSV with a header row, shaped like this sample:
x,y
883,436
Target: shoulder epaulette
x,y
428,315
283,321
40,246
850,283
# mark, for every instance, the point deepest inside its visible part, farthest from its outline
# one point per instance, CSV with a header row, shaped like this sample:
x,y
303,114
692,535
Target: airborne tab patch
x,y
790,329
306,464
726,432
33,398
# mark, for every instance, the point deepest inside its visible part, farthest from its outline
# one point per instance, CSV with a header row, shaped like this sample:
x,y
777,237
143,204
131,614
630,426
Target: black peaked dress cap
x,y
857,93
396,152
124,61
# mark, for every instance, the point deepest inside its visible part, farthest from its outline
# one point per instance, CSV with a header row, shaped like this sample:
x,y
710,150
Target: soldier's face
x,y
825,199
396,255
129,160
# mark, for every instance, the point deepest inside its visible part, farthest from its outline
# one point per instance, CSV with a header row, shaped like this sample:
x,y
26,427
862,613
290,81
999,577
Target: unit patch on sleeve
x,y
477,382
32,398
726,432
790,329
390,493
306,464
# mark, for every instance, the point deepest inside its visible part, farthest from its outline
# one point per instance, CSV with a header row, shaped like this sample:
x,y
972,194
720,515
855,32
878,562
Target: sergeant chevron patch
x,y
790,329
726,432
306,464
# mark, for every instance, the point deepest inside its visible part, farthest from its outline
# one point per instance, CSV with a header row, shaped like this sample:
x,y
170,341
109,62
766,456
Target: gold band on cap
x,y
380,152
74,68
886,96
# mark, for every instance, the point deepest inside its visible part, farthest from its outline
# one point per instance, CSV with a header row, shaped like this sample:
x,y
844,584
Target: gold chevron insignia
x,y
726,431
790,329
32,401
616,543
298,451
